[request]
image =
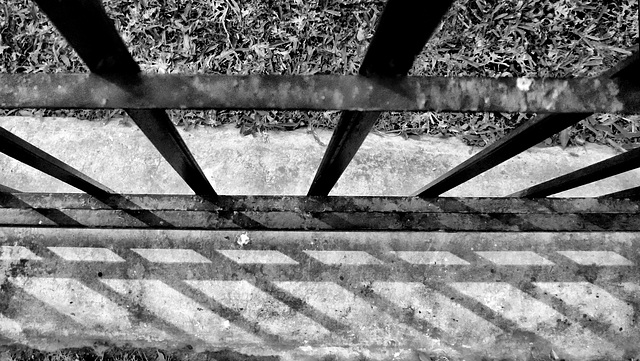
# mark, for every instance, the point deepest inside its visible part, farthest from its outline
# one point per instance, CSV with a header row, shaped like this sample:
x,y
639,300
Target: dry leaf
x,y
160,356
564,138
617,146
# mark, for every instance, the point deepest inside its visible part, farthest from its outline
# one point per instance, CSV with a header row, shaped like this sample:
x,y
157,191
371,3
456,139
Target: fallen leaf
x,y
564,138
616,146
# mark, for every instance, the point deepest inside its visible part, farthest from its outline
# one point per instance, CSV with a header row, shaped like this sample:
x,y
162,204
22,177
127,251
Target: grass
x,y
554,38
125,353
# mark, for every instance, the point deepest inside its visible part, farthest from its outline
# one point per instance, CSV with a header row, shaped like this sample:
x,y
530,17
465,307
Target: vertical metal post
x,y
33,156
88,29
524,137
607,168
403,30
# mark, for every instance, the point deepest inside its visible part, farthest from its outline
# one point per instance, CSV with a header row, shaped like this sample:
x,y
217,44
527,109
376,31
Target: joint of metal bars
x,y
403,30
527,135
86,26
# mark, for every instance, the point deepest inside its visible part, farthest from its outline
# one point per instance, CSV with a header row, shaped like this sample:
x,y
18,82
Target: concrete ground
x,y
282,162
415,296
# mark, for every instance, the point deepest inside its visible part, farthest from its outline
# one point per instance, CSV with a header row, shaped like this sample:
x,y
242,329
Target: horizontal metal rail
x,y
607,168
321,92
522,138
173,202
335,213
86,26
403,30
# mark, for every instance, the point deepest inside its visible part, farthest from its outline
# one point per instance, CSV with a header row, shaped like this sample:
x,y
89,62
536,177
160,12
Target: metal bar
x,y
5,189
172,147
607,168
88,29
320,92
333,220
631,193
403,30
33,156
155,202
522,138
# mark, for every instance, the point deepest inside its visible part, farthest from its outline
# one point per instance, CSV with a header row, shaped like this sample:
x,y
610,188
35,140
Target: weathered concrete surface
x,y
282,163
325,295
314,295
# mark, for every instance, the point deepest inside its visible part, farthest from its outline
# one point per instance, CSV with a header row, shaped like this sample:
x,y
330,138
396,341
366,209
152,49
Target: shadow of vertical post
x,y
403,30
86,26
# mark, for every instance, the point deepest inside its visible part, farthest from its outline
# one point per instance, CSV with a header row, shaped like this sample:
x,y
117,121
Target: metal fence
x,y
404,28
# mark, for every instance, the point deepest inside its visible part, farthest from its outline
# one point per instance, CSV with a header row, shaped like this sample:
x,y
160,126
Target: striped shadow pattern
x,y
315,294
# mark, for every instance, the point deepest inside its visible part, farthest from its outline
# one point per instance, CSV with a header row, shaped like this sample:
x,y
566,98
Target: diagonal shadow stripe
x,y
629,296
262,281
55,215
588,220
537,318
148,217
44,311
571,312
396,270
174,274
367,295
240,219
116,201
92,281
223,311
145,216
333,220
299,305
168,277
488,314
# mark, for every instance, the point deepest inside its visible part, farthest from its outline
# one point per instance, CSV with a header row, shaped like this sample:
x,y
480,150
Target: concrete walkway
x,y
405,296
282,163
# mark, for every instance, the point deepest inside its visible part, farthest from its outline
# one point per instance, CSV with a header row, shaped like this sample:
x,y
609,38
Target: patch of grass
x,y
126,353
538,38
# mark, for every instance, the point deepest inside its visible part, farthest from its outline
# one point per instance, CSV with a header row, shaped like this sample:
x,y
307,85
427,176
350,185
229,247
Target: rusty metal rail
x,y
318,213
321,92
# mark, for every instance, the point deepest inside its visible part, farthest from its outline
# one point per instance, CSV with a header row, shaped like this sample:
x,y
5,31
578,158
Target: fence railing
x,y
404,28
